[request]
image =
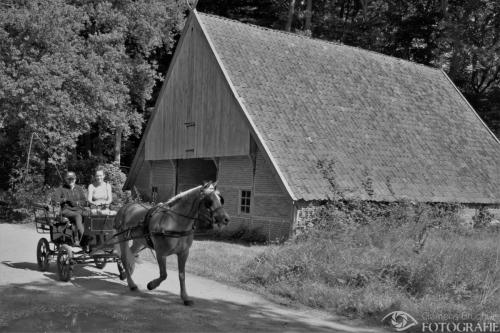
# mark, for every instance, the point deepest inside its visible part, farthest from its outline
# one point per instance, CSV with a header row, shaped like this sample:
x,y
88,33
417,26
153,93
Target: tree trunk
x,y
308,16
291,12
364,4
118,144
444,7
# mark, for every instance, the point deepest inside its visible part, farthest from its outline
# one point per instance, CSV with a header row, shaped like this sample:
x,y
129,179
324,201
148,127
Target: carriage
x,y
167,227
60,245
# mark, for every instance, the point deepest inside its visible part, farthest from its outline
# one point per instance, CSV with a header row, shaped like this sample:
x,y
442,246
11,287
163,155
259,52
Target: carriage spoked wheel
x,y
64,265
100,262
42,254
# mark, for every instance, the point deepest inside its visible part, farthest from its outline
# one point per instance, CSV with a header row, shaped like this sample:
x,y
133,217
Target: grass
x,y
367,270
217,260
452,274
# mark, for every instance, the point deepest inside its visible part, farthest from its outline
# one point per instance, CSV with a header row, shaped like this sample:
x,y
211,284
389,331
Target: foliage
x,y
372,268
244,233
363,258
83,74
80,74
482,218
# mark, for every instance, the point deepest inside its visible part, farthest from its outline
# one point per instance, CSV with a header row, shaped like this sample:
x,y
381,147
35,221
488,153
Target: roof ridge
x,y
295,35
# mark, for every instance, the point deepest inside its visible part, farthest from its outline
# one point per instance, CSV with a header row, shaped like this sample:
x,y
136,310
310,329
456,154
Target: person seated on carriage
x,y
71,197
100,195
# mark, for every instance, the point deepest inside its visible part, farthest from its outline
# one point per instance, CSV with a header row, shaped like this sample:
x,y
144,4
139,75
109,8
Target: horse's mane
x,y
172,201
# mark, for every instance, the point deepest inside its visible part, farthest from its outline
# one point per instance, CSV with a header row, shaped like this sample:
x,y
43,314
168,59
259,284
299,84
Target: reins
x,y
160,208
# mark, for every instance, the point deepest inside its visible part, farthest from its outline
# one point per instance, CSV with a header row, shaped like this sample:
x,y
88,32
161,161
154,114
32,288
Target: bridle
x,y
163,207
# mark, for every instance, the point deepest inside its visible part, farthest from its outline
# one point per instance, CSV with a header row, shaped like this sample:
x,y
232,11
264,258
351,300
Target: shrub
x,y
367,259
244,233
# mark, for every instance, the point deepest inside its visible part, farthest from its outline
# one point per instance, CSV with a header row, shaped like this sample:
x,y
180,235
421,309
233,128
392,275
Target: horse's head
x,y
214,202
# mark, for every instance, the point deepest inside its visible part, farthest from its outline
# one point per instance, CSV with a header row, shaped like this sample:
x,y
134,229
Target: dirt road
x,y
96,300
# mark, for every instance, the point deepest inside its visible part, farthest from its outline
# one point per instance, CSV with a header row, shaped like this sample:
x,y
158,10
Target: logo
x,y
400,320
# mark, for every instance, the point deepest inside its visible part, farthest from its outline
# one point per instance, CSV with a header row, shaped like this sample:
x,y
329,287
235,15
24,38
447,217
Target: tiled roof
x,y
391,129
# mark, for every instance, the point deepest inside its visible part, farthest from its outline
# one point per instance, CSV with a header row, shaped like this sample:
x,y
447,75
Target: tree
x,y
46,81
469,50
291,13
76,71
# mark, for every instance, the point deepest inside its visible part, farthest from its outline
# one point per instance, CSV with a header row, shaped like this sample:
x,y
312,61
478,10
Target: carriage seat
x,y
45,214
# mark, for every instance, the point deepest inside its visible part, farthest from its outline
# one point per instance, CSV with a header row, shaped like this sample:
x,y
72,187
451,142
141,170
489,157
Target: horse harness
x,y
166,233
143,226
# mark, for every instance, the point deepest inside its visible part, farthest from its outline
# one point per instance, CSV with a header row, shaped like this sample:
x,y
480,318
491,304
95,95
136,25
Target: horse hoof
x,y
133,288
150,286
188,303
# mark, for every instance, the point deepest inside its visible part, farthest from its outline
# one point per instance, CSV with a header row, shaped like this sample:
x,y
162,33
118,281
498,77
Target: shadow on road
x,y
78,271
104,305
22,265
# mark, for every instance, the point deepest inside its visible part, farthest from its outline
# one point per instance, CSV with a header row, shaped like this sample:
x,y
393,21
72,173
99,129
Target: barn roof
x,y
383,128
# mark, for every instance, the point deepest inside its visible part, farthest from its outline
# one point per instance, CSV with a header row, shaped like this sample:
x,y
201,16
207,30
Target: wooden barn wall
x,y
197,115
163,177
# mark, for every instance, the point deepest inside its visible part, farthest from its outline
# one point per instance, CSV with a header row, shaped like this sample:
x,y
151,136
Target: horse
x,y
168,228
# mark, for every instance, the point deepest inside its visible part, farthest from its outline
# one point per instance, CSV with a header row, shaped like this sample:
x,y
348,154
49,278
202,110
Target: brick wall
x,y
270,207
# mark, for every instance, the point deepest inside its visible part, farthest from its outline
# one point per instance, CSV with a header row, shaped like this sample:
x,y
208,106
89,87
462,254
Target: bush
x,y
244,233
371,259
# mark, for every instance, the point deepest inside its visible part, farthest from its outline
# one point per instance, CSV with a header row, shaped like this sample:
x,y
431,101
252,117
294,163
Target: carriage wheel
x,y
121,270
100,262
64,266
42,254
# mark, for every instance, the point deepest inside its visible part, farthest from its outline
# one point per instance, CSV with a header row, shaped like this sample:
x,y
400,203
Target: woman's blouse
x,y
101,194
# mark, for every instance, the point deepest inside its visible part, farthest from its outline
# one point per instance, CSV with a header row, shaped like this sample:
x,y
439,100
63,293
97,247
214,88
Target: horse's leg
x,y
128,261
181,263
162,264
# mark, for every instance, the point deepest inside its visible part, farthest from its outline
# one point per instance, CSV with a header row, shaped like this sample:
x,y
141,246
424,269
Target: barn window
x,y
245,201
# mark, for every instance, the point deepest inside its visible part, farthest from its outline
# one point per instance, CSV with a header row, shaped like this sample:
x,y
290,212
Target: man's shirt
x,y
69,197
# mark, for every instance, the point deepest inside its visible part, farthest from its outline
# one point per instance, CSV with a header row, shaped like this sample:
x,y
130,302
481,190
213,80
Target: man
x,y
72,198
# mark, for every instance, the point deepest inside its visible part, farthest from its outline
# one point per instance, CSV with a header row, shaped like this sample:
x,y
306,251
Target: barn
x,y
281,120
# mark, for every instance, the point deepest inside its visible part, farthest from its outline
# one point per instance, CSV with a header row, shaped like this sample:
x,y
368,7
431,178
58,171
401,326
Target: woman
x,y
100,195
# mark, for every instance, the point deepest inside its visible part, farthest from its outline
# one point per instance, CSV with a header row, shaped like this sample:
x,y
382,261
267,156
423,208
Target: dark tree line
x,y
460,36
84,74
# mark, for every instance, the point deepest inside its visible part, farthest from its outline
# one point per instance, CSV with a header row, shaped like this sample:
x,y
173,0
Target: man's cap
x,y
70,175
